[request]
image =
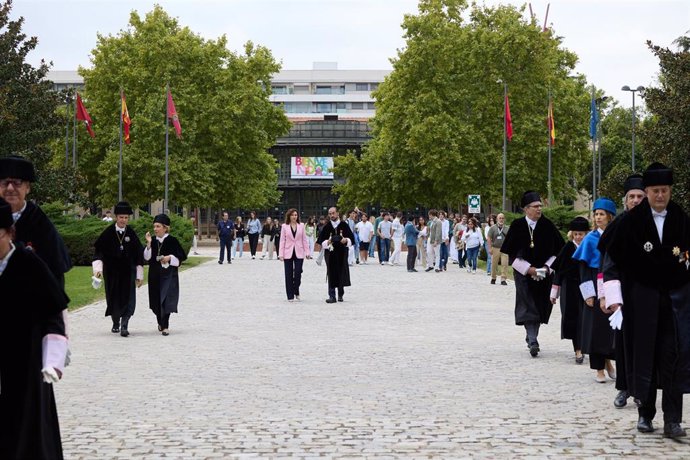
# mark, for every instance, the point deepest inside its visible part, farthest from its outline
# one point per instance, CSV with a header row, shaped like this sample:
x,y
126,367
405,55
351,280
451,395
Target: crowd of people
x,y
637,262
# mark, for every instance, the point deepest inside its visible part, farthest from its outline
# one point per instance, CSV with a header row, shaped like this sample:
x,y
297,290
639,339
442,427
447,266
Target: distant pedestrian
x,y
226,235
442,257
238,242
253,233
434,239
267,233
421,240
164,255
473,240
293,249
385,232
398,230
365,232
411,235
496,235
108,217
491,221
310,231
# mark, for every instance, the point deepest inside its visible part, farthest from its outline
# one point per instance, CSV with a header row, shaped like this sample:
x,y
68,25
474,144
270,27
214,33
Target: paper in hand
x,y
616,319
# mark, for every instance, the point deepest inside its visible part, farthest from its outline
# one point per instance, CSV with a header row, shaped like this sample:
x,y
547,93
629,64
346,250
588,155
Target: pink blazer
x,y
298,243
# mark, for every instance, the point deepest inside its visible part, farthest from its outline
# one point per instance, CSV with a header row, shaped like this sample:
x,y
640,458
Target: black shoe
x,y
580,359
330,300
220,262
621,399
438,271
414,270
644,425
672,430
503,283
534,349
493,281
115,329
429,269
340,298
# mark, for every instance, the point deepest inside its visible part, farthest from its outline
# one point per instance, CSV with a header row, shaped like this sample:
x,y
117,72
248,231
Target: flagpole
x,y
119,163
505,144
67,106
549,126
74,134
594,154
165,200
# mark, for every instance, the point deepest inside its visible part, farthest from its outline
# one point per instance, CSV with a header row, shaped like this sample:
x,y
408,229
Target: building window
x,y
371,105
362,87
358,106
279,89
373,86
341,106
324,90
324,107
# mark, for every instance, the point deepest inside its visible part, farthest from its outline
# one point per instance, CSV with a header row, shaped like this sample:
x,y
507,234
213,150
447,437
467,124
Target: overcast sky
x,y
608,35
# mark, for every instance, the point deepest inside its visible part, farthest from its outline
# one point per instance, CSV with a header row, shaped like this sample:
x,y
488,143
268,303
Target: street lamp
x,y
640,89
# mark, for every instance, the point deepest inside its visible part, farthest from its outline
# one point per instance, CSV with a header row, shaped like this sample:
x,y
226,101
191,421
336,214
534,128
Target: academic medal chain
x,y
122,248
531,236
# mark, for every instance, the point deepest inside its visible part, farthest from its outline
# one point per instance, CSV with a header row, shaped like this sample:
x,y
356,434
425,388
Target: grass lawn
x,y
80,292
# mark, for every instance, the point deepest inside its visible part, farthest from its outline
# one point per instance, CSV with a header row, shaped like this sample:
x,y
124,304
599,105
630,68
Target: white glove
x,y
50,375
616,319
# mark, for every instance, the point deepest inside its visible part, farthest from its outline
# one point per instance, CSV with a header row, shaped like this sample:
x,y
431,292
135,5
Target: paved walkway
x,y
421,365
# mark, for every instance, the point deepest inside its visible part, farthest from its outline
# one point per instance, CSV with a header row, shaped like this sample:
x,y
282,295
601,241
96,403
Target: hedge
x,y
81,234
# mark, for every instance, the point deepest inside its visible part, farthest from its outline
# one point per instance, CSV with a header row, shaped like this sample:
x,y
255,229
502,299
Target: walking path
x,y
411,365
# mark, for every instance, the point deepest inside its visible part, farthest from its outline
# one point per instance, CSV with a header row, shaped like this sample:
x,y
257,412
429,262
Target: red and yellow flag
x,y
551,124
126,121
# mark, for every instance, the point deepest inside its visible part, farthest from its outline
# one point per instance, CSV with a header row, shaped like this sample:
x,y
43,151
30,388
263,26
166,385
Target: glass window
x,y
341,89
373,86
282,89
324,90
341,106
324,107
371,105
362,87
357,105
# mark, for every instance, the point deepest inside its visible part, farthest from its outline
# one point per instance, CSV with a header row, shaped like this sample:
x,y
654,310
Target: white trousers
x,y
432,253
397,249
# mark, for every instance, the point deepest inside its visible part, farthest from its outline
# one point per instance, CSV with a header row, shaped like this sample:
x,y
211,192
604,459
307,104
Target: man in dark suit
x,y
335,238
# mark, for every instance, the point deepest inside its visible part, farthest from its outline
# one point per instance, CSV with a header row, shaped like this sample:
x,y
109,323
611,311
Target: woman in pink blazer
x,y
293,249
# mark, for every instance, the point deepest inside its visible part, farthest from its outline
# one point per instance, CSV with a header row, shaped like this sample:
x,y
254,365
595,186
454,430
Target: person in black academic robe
x,y
566,282
597,335
335,238
119,259
651,251
532,245
634,194
34,346
32,227
164,255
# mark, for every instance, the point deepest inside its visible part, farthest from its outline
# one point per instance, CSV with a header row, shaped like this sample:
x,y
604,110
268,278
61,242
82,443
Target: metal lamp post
x,y
633,91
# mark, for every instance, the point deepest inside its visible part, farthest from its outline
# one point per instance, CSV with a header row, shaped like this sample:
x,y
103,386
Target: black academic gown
x,y
651,278
567,277
337,268
532,301
37,232
120,256
32,305
164,283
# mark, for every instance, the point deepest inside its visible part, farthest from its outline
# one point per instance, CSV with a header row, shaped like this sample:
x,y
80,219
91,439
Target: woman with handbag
x,y
293,248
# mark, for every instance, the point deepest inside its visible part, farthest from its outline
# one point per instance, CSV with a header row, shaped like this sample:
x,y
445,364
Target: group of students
x,y
624,289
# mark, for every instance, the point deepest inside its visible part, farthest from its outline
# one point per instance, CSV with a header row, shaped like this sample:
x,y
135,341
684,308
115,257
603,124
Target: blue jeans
x,y
225,243
472,254
488,257
372,246
237,245
444,255
384,249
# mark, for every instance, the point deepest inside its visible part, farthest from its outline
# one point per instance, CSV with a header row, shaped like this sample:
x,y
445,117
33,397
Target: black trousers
x,y
621,378
225,243
411,256
597,362
163,320
293,276
253,242
664,366
331,292
532,329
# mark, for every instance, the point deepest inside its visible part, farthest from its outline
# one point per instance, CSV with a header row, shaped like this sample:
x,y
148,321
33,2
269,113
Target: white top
x,y
385,228
659,218
473,238
398,228
364,230
445,229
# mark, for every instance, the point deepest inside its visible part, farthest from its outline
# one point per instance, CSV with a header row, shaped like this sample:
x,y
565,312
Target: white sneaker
x,y
474,271
297,298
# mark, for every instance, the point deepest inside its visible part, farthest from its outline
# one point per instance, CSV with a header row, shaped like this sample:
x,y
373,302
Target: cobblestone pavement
x,y
411,365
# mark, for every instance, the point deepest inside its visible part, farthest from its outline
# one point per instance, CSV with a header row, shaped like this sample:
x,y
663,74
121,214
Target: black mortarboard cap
x,y
579,224
528,197
122,208
162,219
17,167
634,182
657,174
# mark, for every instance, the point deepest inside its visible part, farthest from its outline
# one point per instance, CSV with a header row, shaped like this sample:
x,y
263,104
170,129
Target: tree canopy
x,y
438,129
666,138
221,98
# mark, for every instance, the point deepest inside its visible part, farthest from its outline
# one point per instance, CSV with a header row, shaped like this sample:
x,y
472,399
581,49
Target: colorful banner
x,y
311,168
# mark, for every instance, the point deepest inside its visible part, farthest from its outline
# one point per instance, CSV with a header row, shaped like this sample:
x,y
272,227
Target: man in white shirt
x,y
385,232
365,231
397,230
442,255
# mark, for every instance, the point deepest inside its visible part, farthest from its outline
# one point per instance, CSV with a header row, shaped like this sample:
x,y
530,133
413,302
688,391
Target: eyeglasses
x,y
4,183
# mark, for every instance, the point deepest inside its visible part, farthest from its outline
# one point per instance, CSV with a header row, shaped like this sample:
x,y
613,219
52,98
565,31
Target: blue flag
x,y
593,119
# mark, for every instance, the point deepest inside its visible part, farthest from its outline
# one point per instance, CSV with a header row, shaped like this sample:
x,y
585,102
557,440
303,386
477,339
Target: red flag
x,y
126,121
508,120
172,114
551,124
83,115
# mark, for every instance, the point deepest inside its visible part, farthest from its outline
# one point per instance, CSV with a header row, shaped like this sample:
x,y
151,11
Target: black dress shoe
x,y
534,349
621,399
429,269
493,281
503,283
644,425
115,329
124,332
330,300
340,298
673,430
220,262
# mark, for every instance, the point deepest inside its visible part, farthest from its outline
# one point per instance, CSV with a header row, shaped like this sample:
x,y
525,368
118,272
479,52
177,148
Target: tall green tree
x,y
29,121
666,137
438,130
221,98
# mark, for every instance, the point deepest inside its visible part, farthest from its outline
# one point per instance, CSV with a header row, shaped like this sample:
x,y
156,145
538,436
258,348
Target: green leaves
x,y
221,97
438,130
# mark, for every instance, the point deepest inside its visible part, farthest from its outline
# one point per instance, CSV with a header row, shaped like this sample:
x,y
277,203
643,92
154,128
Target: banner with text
x,y
311,168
